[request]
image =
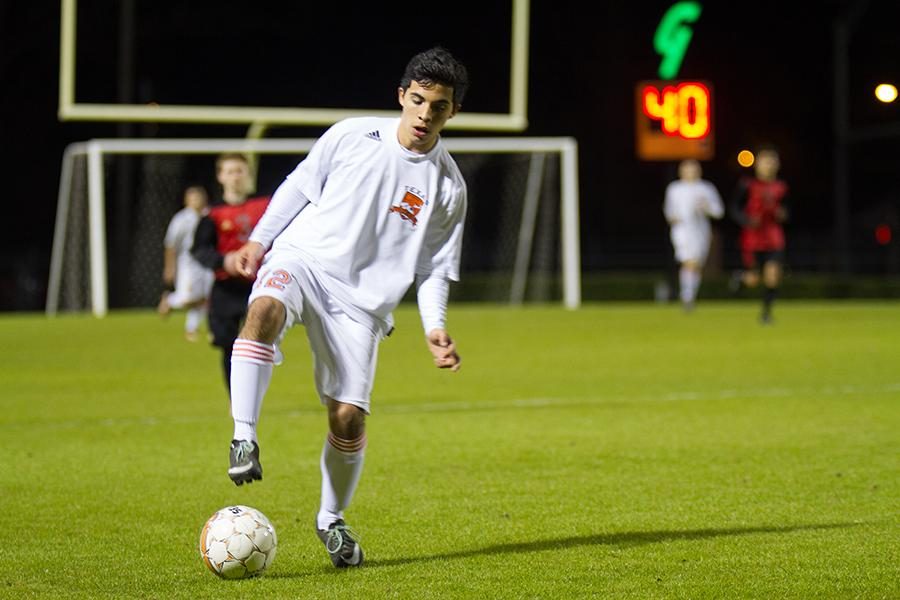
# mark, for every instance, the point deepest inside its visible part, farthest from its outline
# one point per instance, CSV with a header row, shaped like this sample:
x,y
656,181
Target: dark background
x,y
771,65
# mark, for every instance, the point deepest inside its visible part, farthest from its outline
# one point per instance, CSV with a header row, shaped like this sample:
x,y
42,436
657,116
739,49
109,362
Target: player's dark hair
x,y
437,66
196,187
767,147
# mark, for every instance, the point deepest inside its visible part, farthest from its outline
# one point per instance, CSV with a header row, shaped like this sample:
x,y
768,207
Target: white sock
x,y
251,372
341,464
192,319
689,282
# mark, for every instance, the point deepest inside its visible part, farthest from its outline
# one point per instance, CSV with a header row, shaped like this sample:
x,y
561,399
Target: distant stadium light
x,y
886,92
745,158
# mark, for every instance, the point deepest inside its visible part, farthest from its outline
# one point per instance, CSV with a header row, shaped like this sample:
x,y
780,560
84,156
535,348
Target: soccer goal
x,y
116,197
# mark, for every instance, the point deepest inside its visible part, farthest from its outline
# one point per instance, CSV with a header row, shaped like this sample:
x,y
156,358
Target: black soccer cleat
x,y
245,465
342,545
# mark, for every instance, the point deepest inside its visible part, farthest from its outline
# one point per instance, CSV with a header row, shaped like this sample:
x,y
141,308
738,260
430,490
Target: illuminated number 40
x,y
682,109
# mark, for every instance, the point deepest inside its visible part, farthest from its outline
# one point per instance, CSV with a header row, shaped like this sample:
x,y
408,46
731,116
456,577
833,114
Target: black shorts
x,y
227,309
753,260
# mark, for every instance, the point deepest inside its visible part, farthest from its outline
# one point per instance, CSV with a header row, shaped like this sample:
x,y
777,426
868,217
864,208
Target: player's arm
x,y
432,293
285,205
669,207
736,205
714,207
205,248
783,212
169,259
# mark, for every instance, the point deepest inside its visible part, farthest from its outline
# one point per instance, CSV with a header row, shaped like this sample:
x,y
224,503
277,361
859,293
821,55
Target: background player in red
x,y
222,231
759,207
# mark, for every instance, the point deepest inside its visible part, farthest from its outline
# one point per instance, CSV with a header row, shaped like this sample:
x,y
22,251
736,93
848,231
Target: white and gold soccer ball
x,y
238,542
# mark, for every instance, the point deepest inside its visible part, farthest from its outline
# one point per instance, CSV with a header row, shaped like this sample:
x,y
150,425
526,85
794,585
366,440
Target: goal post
x,y
85,166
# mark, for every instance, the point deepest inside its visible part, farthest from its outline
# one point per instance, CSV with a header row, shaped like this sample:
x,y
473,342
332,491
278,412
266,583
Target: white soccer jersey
x,y
378,215
192,280
690,204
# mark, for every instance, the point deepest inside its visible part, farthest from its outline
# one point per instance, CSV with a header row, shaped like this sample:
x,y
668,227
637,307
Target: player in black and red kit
x,y
759,206
222,231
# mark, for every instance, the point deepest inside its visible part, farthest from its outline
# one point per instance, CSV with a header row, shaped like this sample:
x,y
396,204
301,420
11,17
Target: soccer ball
x,y
238,542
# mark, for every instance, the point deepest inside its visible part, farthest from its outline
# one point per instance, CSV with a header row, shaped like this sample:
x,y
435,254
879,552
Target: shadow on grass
x,y
624,539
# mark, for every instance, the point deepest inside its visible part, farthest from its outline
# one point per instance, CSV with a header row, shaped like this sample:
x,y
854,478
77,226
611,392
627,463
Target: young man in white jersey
x,y
377,205
190,281
690,203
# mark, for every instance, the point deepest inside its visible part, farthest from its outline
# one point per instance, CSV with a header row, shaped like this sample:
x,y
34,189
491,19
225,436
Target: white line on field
x,y
487,405
726,394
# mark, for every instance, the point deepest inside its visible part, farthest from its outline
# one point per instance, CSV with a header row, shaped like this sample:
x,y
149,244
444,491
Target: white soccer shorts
x,y
345,352
191,285
690,245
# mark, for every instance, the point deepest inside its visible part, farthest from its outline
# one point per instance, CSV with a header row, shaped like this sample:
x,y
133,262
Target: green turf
x,y
618,451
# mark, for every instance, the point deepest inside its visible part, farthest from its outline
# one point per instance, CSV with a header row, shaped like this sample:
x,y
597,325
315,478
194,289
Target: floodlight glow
x,y
886,92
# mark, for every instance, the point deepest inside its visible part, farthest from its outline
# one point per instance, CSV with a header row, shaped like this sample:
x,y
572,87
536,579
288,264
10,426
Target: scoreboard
x,y
674,120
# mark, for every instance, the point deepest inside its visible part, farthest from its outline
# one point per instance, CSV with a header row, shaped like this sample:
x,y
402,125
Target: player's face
x,y
234,175
767,165
195,200
689,170
425,112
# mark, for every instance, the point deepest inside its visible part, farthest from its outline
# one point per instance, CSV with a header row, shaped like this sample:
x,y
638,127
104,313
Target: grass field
x,y
618,451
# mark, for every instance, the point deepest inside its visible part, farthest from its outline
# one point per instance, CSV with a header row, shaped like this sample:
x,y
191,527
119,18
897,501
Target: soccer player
x,y
759,206
690,202
377,205
225,228
190,281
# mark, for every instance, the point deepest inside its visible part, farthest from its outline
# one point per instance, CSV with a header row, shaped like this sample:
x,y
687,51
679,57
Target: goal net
x,y
116,198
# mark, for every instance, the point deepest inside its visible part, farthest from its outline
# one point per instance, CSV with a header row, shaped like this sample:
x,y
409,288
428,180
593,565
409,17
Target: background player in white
x,y
191,282
377,205
690,202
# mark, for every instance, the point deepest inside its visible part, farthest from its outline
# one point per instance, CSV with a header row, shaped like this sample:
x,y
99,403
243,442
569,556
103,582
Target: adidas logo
x,y
374,135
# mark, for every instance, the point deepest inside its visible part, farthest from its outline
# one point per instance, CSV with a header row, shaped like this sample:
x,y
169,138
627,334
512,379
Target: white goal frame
x,y
95,150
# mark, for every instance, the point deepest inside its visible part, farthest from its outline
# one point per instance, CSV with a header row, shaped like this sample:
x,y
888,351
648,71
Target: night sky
x,y
770,64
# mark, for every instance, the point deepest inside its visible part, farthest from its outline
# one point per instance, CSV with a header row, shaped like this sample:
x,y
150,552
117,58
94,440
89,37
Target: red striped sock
x,y
347,446
254,352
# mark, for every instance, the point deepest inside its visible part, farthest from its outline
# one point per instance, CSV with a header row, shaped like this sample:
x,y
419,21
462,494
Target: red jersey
x,y
762,230
234,225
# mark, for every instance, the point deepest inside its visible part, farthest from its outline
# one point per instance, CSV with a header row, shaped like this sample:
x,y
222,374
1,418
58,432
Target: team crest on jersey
x,y
410,205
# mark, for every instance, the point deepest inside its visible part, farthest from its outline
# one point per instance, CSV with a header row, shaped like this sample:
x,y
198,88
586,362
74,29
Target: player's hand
x,y
780,214
244,262
443,350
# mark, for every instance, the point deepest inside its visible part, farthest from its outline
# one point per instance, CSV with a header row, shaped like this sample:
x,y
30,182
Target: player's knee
x,y
265,318
346,420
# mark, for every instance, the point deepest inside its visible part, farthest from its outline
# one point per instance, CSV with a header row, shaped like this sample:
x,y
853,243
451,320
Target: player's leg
x,y
689,282
163,307
227,308
750,274
771,278
345,356
341,464
275,303
252,362
194,315
191,290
